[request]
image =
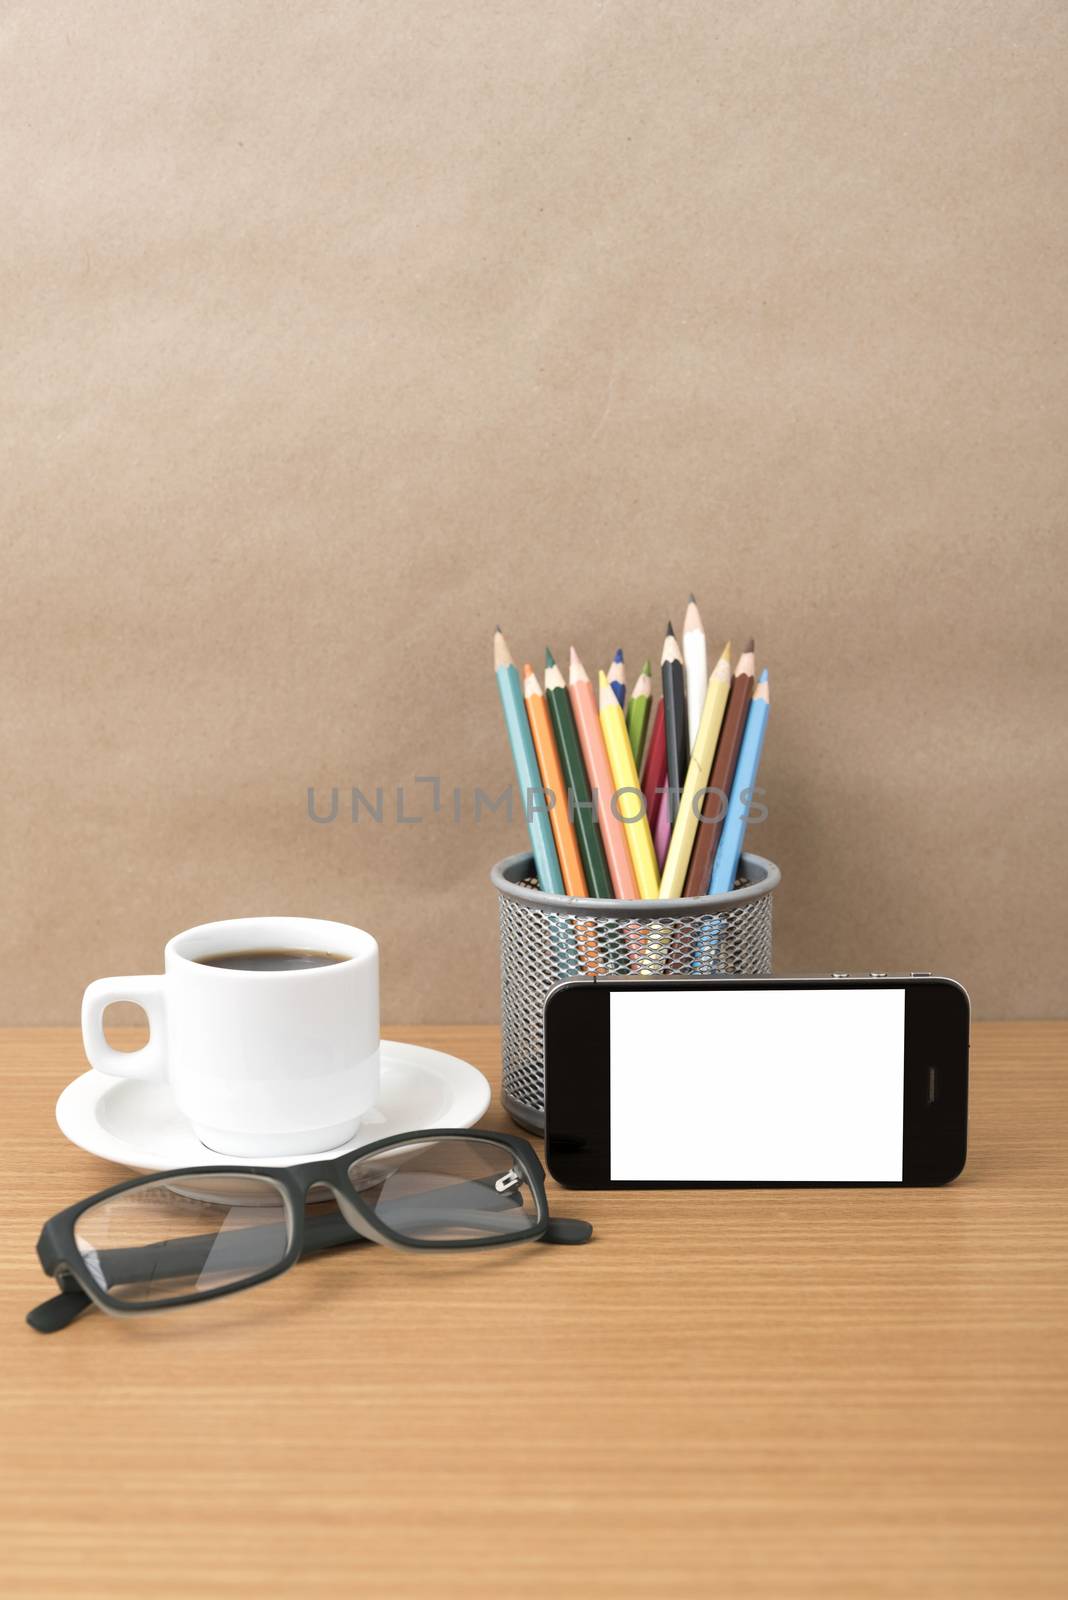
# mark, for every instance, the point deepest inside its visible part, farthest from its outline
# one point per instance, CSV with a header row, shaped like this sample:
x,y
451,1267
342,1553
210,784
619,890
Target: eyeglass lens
x,y
436,1191
183,1236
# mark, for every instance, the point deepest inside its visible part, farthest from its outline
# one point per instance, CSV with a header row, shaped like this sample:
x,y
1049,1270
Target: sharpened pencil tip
x,y
550,659
618,656
749,647
693,598
647,666
671,631
763,676
502,656
578,671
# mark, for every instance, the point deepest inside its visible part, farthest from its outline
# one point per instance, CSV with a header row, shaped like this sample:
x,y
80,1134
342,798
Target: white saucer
x,y
139,1125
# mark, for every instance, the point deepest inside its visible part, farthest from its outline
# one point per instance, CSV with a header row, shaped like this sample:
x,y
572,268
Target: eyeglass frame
x,y
61,1257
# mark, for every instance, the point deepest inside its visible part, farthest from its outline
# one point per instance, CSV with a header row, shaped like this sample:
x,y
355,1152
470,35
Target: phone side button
x,y
839,974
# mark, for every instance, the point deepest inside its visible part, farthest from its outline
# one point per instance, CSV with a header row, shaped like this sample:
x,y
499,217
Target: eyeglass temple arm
x,y
567,1230
322,1234
180,1258
59,1312
239,1248
186,1257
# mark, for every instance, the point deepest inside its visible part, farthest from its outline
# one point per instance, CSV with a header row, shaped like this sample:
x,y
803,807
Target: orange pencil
x,y
552,779
599,772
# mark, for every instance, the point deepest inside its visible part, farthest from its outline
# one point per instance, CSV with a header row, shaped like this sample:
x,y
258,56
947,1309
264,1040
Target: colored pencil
x,y
695,655
552,778
638,713
628,794
721,777
654,772
654,785
704,750
662,831
728,853
599,773
678,744
617,677
567,743
528,776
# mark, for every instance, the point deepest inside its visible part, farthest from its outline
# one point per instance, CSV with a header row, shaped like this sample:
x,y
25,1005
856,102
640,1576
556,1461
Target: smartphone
x,y
756,1082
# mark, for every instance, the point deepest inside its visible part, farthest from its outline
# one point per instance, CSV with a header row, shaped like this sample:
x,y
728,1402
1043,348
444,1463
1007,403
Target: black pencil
x,y
677,734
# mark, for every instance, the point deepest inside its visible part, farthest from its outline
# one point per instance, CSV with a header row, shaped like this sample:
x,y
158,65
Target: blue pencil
x,y
729,850
617,678
528,776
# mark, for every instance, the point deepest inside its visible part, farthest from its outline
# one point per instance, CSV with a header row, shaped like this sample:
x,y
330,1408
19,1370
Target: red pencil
x,y
655,775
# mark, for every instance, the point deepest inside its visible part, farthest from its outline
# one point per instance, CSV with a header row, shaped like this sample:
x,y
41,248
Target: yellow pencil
x,y
684,832
630,806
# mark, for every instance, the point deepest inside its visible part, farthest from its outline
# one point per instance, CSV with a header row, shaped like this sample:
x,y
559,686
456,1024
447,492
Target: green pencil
x,y
638,713
591,849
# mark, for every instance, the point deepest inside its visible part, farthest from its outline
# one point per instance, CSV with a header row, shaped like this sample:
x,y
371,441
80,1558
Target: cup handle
x,y
150,1062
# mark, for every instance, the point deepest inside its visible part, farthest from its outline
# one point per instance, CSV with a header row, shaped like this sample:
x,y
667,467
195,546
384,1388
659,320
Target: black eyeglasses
x,y
177,1238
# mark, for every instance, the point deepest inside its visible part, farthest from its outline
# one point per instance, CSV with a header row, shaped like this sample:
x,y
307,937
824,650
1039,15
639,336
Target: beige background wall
x,y
334,333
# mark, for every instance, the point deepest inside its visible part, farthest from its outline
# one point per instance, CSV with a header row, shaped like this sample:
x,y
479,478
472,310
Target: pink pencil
x,y
662,831
598,771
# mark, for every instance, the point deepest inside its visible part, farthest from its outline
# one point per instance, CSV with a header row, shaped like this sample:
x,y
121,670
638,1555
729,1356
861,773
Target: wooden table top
x,y
837,1393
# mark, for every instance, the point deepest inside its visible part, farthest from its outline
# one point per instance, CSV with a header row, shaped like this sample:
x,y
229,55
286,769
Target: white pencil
x,y
695,655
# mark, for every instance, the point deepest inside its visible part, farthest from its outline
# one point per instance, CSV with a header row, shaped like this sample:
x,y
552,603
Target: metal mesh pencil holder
x,y
546,938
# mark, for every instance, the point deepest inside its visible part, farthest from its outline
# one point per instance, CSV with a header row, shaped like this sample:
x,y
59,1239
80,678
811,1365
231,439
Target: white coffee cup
x,y
262,1063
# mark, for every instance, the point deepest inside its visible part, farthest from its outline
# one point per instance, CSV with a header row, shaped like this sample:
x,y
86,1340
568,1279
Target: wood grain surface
x,y
847,1393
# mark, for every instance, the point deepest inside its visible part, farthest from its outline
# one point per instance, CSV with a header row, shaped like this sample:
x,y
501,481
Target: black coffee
x,y
272,960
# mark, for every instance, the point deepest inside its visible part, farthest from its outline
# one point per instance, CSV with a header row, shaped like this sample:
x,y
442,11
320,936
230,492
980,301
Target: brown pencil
x,y
714,809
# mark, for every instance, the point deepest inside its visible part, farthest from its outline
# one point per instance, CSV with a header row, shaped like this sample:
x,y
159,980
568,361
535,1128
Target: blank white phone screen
x,y
758,1086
